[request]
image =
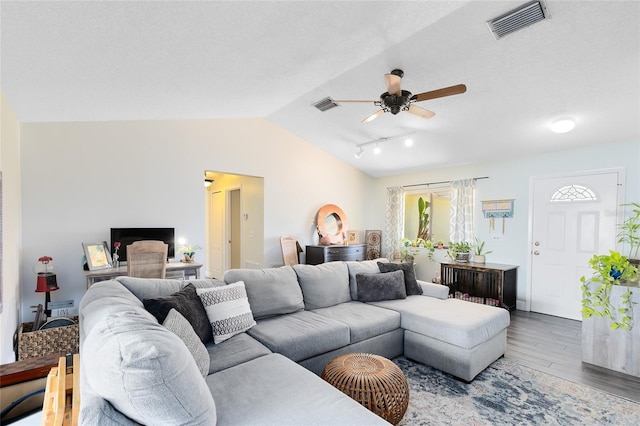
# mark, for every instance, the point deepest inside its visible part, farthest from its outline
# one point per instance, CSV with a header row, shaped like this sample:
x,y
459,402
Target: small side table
x,y
374,381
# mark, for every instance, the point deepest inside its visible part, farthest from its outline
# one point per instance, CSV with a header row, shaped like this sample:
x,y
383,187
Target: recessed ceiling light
x,y
408,142
563,125
377,150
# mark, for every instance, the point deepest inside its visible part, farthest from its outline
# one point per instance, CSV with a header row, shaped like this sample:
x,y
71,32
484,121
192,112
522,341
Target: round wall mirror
x,y
332,223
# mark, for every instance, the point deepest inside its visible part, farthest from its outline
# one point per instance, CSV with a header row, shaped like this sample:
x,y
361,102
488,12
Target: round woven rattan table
x,y
374,381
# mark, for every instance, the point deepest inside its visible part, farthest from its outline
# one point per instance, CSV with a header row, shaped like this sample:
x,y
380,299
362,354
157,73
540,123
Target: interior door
x,y
235,240
216,222
574,217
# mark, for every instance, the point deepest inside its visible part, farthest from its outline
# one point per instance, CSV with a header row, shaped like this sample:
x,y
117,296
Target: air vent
x,y
325,104
518,19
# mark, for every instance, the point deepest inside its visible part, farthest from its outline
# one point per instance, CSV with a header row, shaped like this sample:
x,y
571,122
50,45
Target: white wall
x,y
10,166
80,179
511,179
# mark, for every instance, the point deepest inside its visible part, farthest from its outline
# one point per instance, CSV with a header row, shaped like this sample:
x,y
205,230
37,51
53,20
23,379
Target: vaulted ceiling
x,y
149,60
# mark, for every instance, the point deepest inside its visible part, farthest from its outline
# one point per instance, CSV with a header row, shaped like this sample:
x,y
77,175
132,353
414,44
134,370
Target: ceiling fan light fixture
x,y
563,125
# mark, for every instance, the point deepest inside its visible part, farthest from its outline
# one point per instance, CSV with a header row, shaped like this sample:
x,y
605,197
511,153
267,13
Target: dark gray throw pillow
x,y
375,287
187,302
410,281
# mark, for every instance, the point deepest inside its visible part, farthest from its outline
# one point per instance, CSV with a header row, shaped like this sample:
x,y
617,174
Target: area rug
x,y
507,393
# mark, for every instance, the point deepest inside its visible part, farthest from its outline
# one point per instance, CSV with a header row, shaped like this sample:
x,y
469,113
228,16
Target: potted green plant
x,y
423,220
189,252
409,249
480,253
440,244
630,233
609,270
459,251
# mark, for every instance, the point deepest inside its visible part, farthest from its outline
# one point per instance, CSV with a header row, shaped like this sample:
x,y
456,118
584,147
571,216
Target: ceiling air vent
x,y
325,104
517,19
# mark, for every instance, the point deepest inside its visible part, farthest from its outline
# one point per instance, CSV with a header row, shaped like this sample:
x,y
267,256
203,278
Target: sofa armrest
x,y
434,290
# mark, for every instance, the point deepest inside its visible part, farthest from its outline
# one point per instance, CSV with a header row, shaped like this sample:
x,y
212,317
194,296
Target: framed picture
x,y
98,255
352,237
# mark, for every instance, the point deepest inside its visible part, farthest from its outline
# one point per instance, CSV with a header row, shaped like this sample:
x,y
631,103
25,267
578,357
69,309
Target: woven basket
x,y
34,344
374,381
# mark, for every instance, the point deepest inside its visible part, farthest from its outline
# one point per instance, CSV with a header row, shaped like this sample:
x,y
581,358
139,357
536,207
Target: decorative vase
x,y
479,258
188,257
462,257
325,241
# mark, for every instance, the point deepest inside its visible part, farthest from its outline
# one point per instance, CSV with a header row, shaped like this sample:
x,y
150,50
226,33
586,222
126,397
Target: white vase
x,y
479,258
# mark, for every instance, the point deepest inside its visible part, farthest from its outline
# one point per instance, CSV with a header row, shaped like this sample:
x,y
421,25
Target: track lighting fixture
x,y
377,150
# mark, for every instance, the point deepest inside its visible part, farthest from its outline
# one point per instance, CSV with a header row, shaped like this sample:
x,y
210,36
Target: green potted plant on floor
x,y
609,270
480,253
459,251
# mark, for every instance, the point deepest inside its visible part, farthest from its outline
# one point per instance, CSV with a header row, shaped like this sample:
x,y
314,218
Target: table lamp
x,y
46,281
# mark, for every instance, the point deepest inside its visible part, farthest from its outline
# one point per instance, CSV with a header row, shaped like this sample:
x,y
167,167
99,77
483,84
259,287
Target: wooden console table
x,y
321,254
175,270
483,280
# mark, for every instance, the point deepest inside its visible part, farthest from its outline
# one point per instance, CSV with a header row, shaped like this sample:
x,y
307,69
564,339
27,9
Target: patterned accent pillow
x,y
228,310
179,326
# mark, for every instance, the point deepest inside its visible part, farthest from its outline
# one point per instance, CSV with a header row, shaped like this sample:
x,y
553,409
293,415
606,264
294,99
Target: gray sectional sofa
x,y
134,370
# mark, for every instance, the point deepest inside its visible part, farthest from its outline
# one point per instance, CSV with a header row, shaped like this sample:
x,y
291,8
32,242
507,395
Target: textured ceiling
x,y
85,61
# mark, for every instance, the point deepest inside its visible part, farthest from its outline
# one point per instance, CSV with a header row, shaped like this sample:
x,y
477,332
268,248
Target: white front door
x,y
574,217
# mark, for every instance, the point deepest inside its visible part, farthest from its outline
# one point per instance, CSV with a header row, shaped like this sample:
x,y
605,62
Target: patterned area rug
x,y
507,393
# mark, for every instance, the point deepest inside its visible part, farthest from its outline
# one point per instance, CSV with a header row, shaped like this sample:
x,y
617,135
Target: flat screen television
x,y
127,236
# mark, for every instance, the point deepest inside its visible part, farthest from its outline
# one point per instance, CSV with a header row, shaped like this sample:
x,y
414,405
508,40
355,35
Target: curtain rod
x,y
440,183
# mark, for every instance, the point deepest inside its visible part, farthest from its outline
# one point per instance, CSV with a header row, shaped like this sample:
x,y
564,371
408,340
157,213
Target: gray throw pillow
x,y
410,282
376,287
187,302
179,326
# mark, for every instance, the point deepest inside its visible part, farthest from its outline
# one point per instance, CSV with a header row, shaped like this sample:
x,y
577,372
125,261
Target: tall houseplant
x,y
629,233
609,270
423,219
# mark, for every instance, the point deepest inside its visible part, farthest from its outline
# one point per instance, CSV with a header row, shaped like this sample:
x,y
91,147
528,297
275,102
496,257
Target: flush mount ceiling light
x,y
207,181
377,150
563,125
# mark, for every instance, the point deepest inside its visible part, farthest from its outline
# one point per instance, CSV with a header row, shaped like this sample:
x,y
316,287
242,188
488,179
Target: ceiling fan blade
x,y
354,102
421,112
393,84
440,93
373,116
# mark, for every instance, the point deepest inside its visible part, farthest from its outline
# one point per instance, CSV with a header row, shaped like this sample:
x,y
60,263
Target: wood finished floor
x,y
553,345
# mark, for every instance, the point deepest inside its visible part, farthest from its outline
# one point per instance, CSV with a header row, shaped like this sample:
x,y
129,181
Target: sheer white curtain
x,y
462,202
394,221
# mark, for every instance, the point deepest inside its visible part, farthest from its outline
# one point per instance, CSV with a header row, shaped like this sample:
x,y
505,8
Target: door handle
x,y
536,252
537,243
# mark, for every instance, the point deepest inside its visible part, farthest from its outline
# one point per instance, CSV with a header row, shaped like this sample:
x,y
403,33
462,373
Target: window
x,y
439,214
573,193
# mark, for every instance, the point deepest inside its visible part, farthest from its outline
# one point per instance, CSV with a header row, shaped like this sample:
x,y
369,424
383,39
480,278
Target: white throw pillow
x,y
228,310
178,325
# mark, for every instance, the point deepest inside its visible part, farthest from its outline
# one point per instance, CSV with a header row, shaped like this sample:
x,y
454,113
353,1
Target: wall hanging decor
x,y
493,209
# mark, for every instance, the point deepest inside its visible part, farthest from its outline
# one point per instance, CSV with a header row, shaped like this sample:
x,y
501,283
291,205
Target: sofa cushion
x,y
145,371
454,321
301,335
374,287
272,291
272,390
178,325
408,268
323,285
233,351
185,301
145,288
97,411
228,310
363,267
364,321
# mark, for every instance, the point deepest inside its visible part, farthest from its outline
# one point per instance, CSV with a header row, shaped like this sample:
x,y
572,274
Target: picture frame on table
x,y
98,255
352,237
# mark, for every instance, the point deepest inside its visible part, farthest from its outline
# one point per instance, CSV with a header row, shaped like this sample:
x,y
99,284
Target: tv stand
x,y
174,270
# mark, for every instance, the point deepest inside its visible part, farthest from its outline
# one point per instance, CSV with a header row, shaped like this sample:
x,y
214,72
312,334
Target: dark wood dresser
x,y
321,254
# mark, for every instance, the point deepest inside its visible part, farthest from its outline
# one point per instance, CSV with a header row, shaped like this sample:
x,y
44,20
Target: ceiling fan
x,y
395,99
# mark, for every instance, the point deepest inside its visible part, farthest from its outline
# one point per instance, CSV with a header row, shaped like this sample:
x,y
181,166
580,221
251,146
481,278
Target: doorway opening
x,y
234,221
